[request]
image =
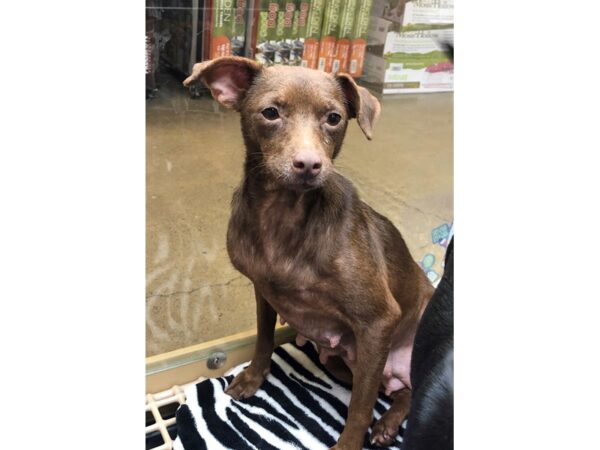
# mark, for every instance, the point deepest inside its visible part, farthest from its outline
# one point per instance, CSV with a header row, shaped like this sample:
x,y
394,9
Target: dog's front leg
x,y
247,382
372,348
387,427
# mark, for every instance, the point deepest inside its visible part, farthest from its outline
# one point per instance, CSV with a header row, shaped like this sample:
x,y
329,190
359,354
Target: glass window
x,y
195,150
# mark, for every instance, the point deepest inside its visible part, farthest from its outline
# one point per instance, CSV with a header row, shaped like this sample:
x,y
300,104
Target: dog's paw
x,y
385,430
245,384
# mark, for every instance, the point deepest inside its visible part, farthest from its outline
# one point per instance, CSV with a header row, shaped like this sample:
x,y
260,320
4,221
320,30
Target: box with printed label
x,y
329,32
265,43
299,30
221,28
342,46
415,60
310,54
358,45
284,31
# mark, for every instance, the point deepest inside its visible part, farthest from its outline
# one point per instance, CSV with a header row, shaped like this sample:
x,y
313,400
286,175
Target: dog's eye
x,y
270,113
333,118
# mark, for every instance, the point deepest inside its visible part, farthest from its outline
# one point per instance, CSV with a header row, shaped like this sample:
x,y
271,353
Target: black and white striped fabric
x,y
300,406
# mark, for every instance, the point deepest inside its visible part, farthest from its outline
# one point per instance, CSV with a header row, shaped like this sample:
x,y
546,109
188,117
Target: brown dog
x,y
336,270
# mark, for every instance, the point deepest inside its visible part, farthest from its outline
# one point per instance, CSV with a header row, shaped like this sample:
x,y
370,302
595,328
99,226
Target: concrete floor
x,y
194,162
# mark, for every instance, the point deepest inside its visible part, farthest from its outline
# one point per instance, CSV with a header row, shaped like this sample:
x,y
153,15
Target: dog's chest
x,y
292,267
278,245
269,262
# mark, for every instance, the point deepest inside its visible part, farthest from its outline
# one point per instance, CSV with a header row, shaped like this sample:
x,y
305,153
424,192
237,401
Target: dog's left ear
x,y
228,78
361,104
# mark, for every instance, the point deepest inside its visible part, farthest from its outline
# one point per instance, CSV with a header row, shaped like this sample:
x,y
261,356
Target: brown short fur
x,y
318,256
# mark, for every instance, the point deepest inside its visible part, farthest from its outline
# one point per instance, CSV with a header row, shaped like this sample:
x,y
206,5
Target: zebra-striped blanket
x,y
300,406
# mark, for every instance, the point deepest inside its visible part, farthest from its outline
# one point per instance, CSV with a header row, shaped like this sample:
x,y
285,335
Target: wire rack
x,y
160,416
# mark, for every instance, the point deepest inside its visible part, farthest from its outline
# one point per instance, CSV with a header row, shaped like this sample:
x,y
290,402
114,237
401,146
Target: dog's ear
x,y
228,78
361,104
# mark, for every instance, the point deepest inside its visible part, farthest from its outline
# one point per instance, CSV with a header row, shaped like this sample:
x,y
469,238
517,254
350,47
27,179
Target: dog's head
x,y
293,119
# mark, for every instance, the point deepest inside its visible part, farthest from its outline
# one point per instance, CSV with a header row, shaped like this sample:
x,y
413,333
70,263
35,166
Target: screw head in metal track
x,y
216,360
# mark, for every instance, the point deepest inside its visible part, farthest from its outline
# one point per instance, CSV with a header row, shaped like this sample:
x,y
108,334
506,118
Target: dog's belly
x,y
333,338
396,374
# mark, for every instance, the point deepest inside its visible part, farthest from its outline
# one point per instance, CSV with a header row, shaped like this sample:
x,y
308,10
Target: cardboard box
x,y
378,31
428,15
310,55
341,56
415,62
392,10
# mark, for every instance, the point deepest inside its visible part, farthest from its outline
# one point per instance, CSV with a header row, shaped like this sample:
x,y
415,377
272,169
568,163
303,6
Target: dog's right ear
x,y
361,104
228,78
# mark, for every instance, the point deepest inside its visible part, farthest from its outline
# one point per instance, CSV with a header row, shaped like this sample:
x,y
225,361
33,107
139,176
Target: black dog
x,y
431,419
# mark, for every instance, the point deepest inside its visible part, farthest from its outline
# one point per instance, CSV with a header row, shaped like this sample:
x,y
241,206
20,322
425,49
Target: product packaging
x,y
359,35
342,47
414,58
310,55
329,33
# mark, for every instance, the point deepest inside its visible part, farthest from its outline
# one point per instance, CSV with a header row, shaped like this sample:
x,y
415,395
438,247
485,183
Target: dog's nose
x,y
307,164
